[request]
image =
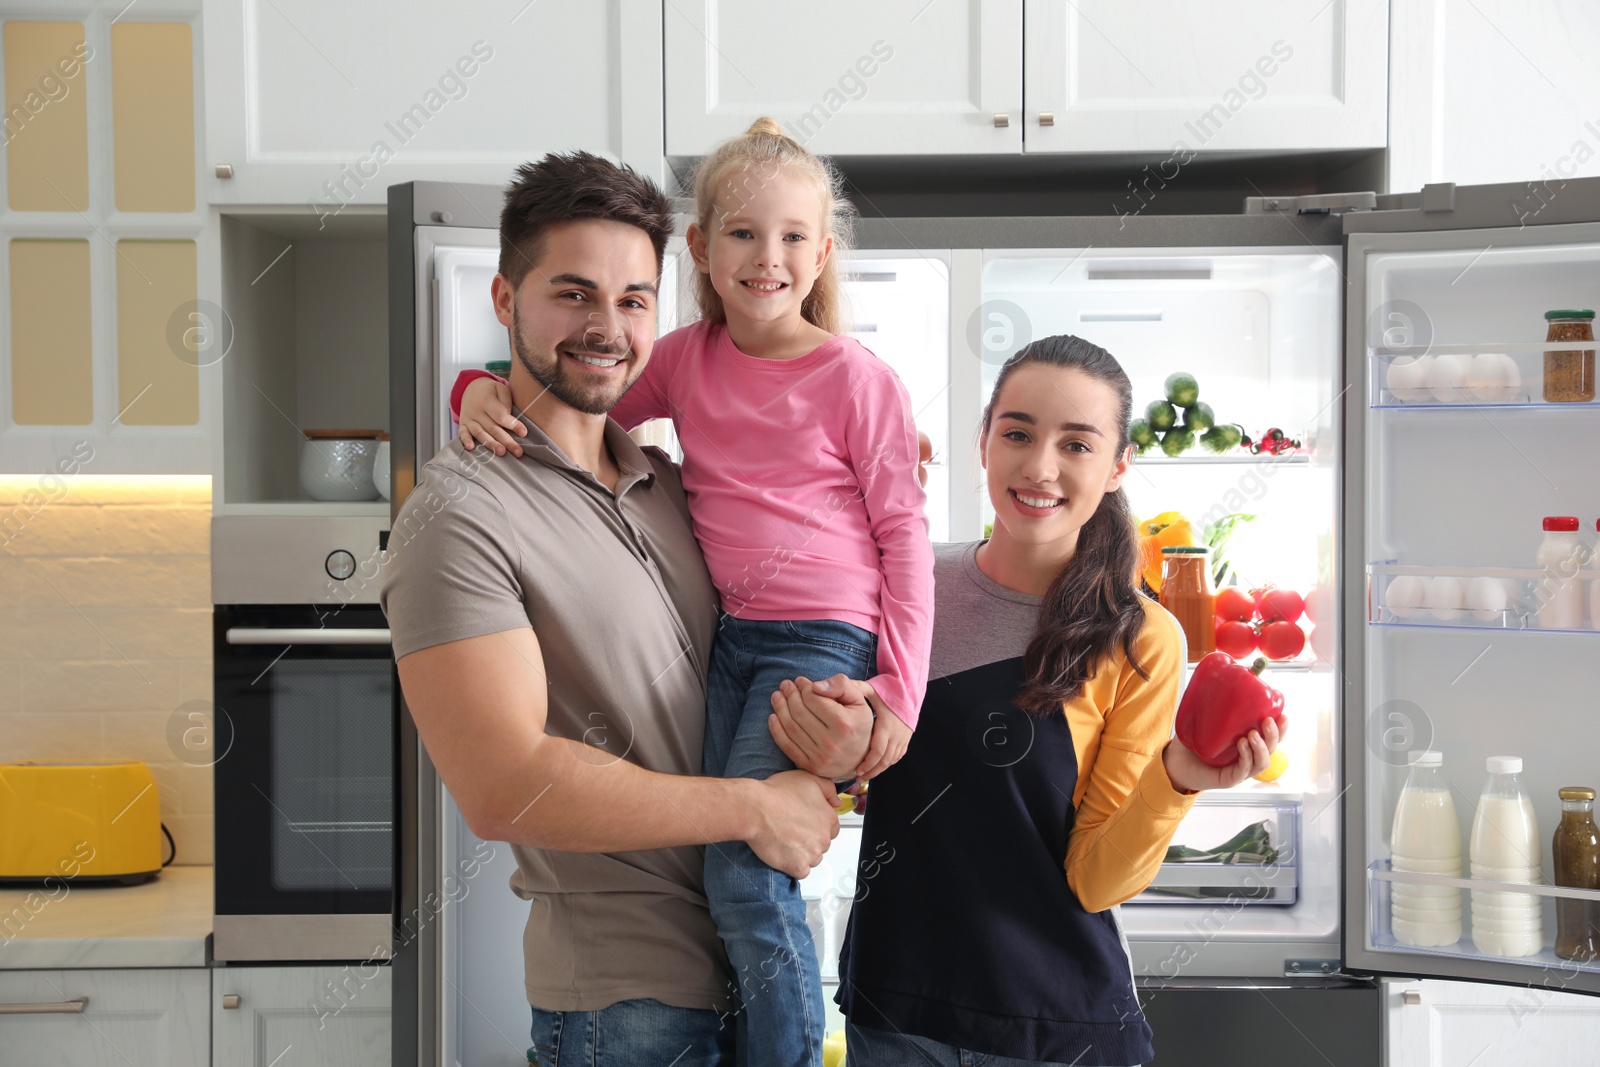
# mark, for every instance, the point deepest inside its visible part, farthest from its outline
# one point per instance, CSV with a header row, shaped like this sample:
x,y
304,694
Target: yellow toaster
x,y
79,820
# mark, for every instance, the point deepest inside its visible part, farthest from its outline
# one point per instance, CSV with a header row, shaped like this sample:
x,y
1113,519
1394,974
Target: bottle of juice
x,y
1186,591
1426,840
1505,848
1576,856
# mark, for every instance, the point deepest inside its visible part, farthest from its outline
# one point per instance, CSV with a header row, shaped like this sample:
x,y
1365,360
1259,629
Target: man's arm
x,y
479,705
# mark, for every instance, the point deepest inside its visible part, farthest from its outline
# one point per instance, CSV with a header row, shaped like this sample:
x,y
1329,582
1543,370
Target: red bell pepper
x,y
1224,702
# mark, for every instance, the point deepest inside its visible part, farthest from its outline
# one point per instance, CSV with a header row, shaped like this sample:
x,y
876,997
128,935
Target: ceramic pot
x,y
337,464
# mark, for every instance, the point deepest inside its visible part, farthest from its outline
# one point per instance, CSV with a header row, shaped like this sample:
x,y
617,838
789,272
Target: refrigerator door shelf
x,y
1521,593
1380,878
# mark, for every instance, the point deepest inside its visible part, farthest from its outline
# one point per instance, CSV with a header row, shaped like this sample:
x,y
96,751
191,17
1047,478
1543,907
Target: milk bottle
x,y
1426,840
1505,848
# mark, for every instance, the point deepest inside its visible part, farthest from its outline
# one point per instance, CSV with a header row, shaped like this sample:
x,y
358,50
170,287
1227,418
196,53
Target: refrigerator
x,y
1289,316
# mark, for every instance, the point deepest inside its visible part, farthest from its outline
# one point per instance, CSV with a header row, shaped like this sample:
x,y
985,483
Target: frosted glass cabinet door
x,y
329,104
1147,76
903,77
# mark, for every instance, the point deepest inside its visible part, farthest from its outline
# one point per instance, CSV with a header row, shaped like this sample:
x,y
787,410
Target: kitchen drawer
x,y
146,1018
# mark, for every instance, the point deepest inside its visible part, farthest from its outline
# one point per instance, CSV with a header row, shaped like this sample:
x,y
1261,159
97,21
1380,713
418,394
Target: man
x,y
552,626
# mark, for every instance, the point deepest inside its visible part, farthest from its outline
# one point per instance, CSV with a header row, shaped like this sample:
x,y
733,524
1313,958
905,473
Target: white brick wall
x,y
105,629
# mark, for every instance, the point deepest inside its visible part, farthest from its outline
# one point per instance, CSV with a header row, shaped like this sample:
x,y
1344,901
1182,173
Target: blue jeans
x,y
632,1032
758,910
865,1047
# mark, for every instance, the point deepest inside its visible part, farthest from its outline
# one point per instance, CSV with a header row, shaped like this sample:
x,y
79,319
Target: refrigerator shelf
x,y
1522,591
1210,882
1476,347
1523,402
1240,459
1380,877
1380,870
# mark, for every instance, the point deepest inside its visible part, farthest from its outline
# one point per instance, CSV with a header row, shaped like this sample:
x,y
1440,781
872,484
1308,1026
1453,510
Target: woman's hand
x,y
486,415
827,735
1186,771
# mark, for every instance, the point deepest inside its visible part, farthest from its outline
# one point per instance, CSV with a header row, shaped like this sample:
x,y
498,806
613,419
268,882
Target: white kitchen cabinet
x,y
1434,1024
141,1018
1484,93
1153,75
330,1016
323,105
906,77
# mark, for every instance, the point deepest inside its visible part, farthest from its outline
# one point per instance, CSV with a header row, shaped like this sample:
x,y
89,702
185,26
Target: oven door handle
x,y
306,635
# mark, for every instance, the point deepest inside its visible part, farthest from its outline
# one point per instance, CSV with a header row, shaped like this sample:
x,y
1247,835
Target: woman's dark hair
x,y
565,186
1092,607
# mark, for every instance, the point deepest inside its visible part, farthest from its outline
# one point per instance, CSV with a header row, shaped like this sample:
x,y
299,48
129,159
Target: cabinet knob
x,y
230,1000
440,216
1047,118
1411,996
224,170
1001,119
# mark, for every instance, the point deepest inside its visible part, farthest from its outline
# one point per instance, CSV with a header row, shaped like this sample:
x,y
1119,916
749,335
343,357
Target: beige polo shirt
x,y
617,593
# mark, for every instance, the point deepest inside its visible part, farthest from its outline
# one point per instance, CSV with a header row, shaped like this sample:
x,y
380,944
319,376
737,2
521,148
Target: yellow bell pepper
x,y
1167,530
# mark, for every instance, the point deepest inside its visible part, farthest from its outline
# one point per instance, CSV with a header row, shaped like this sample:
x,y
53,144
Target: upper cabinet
x,y
105,343
1257,75
944,77
323,105
900,78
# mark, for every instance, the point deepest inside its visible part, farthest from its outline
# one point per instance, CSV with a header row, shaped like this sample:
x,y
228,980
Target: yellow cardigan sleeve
x,y
1127,809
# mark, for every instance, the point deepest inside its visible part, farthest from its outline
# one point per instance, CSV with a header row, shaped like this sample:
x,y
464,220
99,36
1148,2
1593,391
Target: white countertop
x,y
166,922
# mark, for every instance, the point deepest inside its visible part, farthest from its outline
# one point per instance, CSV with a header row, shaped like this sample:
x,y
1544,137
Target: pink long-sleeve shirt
x,y
801,478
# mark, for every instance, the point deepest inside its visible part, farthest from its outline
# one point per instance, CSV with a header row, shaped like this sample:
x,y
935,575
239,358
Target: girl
x,y
985,927
799,463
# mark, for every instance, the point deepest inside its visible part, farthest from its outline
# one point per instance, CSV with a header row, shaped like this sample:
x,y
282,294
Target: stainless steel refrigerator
x,y
1289,315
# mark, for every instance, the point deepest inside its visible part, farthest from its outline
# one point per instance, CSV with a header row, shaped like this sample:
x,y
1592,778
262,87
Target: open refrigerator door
x,y
1470,509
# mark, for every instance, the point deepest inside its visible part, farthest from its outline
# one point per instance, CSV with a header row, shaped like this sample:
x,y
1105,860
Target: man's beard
x,y
550,370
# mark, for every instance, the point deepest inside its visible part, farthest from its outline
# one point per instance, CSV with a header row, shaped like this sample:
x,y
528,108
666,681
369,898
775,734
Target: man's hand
x,y
1185,770
825,734
795,822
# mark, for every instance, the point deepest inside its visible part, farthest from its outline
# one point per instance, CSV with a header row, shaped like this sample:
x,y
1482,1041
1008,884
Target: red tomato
x,y
1235,638
1282,640
1284,604
1235,604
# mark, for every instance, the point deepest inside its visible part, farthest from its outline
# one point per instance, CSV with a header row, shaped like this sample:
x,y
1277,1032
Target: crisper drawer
x,y
154,1017
1242,850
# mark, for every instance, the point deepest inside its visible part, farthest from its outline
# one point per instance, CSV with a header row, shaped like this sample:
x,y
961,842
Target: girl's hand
x,y
890,737
486,415
1186,771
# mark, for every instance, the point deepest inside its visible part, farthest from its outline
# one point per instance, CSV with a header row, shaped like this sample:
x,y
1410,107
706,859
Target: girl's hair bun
x,y
766,126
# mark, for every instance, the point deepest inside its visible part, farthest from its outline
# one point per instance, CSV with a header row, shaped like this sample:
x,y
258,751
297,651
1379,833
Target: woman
x,y
1044,748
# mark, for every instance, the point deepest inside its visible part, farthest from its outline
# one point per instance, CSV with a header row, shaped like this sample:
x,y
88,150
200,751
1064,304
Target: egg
x,y
1445,597
1447,378
1486,377
1486,598
1407,378
1404,596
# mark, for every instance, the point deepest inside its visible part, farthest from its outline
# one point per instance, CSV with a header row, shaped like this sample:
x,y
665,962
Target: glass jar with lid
x,y
1187,592
1569,373
1576,857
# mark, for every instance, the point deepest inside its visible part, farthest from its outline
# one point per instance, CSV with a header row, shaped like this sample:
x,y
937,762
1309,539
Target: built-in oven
x,y
305,725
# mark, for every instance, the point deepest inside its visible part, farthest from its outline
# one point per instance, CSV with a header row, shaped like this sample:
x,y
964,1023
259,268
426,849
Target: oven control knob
x,y
340,564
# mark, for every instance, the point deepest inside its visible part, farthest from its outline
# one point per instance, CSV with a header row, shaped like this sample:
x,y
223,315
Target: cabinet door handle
x,y
1047,118
230,1000
59,1007
1411,996
1002,119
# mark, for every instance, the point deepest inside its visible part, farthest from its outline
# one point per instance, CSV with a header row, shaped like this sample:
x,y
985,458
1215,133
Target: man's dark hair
x,y
567,186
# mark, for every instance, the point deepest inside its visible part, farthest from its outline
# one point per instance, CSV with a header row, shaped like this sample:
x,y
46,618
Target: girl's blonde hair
x,y
760,153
